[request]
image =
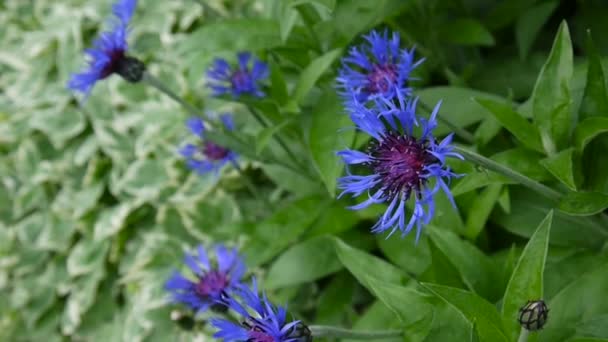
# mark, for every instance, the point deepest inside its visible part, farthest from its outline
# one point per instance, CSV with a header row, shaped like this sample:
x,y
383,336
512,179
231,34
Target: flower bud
x,y
533,315
131,69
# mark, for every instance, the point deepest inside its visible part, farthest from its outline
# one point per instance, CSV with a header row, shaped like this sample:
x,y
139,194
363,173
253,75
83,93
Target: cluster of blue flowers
x,y
374,84
217,284
404,163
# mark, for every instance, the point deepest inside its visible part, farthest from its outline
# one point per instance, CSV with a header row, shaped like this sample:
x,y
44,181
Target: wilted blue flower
x,y
212,281
400,165
240,80
108,55
261,321
207,156
377,68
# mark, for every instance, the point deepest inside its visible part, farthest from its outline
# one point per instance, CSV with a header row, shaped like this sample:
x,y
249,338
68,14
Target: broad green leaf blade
x,y
480,210
595,98
475,268
377,317
514,122
266,134
281,229
457,106
526,282
474,309
278,88
253,34
87,256
568,231
529,23
579,302
302,263
584,203
561,166
365,266
311,74
326,137
588,129
411,306
551,99
466,32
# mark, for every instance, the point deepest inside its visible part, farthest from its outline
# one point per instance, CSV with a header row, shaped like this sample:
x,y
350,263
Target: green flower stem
x,y
509,173
523,335
159,85
335,332
281,142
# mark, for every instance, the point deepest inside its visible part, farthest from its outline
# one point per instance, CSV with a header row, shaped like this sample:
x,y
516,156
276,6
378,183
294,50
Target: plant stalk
x,y
336,332
523,335
509,173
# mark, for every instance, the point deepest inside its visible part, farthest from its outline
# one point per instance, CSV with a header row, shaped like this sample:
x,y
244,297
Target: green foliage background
x,y
96,207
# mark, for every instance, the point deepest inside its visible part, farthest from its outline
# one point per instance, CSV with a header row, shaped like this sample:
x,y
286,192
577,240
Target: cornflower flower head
x,y
109,53
242,79
401,165
207,156
261,321
212,281
377,68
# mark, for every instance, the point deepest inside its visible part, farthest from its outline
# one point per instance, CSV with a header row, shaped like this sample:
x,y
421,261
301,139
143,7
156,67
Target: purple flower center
x,y
212,283
214,152
241,80
257,335
381,78
400,160
116,57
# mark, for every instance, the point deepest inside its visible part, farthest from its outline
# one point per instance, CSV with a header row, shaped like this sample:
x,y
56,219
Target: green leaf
x,y
56,234
242,34
579,302
458,106
365,266
263,138
59,127
474,267
480,210
529,23
528,207
413,260
87,256
303,263
113,219
278,87
526,282
595,98
311,74
583,203
377,317
410,305
561,166
474,309
588,129
282,228
551,100
466,32
326,137
144,179
523,130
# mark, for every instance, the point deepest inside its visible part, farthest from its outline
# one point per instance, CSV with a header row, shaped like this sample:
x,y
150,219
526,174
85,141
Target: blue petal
x,y
354,157
196,126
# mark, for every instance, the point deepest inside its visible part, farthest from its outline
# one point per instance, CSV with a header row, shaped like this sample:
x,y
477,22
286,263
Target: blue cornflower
x,y
377,68
261,321
207,156
108,55
242,80
212,282
400,164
